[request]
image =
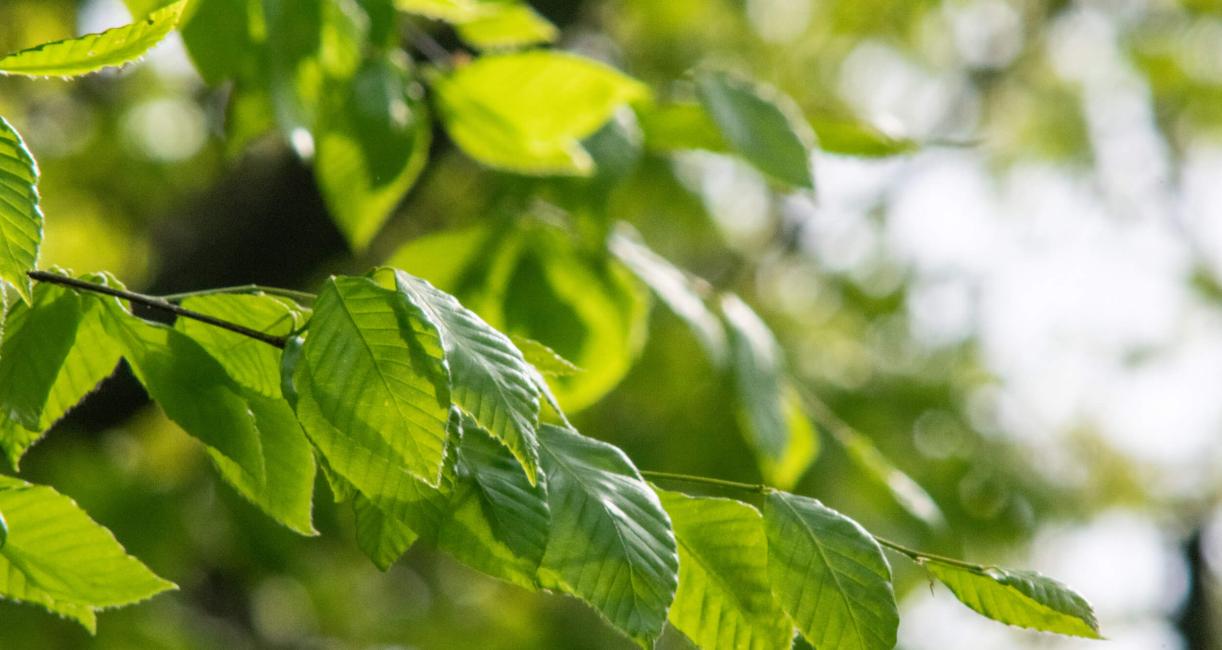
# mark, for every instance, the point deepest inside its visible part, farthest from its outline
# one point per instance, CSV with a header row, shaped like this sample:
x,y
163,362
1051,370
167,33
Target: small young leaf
x,y
488,376
724,599
57,557
546,360
1022,598
20,216
611,543
674,288
777,429
37,339
377,376
761,125
254,364
528,112
830,575
373,141
93,52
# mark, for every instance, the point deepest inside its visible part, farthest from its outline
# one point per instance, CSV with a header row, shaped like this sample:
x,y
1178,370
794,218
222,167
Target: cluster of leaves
x,y
422,413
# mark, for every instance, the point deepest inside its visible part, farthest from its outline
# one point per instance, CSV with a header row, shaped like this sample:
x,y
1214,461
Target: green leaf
x,y
528,112
217,37
57,557
1022,598
777,429
377,386
286,490
830,575
851,137
760,124
674,127
676,289
380,537
254,364
373,140
510,25
611,543
906,492
488,376
192,388
93,357
37,339
724,599
546,360
93,52
515,505
20,216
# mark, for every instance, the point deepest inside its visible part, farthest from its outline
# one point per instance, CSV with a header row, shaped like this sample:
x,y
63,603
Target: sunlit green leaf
x,y
37,339
20,216
93,52
488,376
854,138
511,25
544,359
372,140
611,542
254,364
57,557
724,599
516,508
830,575
382,538
528,112
377,387
1022,598
782,436
761,125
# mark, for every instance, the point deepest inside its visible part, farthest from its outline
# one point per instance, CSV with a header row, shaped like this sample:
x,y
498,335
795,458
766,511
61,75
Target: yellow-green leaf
x,y
20,216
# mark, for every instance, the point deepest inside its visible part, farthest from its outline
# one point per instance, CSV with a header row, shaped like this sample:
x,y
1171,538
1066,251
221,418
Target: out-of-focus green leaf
x,y
672,127
20,216
1022,598
528,112
611,543
293,73
37,339
443,257
724,599
854,138
93,357
217,37
673,287
286,490
373,140
488,376
760,124
254,364
545,359
906,492
772,416
57,557
93,52
509,26
377,376
830,575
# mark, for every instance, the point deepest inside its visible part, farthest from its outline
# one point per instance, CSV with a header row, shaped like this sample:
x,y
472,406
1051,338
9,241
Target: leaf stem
x,y
757,488
291,294
156,303
921,556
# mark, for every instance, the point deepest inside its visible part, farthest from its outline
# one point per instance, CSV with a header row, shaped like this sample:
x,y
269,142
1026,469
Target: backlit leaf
x,y
20,216
487,24
254,364
37,339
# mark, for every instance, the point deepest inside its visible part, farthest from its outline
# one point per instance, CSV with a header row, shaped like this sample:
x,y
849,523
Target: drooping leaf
x,y
383,539
373,141
515,507
192,388
286,490
93,52
546,360
677,290
378,384
851,137
57,557
760,124
254,364
20,215
488,376
37,339
777,429
487,24
829,575
1022,598
611,542
93,357
528,112
724,599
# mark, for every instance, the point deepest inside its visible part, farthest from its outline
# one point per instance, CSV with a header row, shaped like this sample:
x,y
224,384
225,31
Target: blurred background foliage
x,y
1014,293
